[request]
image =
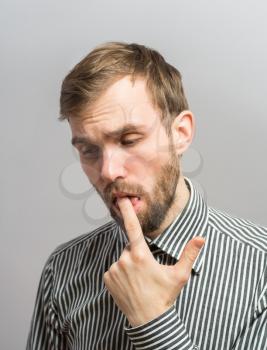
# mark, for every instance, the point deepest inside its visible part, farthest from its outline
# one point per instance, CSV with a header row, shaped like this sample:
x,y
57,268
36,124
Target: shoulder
x,y
82,241
239,229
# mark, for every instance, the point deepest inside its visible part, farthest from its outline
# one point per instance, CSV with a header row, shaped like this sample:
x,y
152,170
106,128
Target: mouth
x,y
134,198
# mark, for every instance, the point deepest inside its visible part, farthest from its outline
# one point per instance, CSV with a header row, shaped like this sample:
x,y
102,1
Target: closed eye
x,y
92,152
129,141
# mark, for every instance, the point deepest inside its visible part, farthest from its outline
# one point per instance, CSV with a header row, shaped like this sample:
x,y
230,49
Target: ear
x,y
183,130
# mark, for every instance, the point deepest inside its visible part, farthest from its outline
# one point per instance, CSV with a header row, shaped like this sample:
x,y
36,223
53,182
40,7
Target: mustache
x,y
121,187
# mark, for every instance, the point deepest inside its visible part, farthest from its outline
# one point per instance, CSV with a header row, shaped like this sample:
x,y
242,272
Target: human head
x,y
114,60
95,85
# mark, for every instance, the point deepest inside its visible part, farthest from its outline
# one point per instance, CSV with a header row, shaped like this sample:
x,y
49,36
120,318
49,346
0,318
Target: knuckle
x,y
192,255
131,226
182,277
138,257
106,277
123,262
113,269
138,241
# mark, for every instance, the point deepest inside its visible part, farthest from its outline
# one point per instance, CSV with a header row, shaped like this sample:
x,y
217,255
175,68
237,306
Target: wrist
x,y
142,318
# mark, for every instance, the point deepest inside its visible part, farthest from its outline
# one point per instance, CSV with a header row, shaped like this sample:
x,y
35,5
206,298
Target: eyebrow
x,y
113,134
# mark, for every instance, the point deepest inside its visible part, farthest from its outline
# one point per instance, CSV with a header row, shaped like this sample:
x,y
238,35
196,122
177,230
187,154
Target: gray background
x,y
221,49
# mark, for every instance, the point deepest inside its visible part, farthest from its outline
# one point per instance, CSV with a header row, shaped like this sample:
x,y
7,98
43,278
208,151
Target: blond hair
x,y
114,60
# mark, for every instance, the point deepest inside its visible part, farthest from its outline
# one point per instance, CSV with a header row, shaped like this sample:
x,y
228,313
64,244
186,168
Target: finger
x,y
131,222
189,256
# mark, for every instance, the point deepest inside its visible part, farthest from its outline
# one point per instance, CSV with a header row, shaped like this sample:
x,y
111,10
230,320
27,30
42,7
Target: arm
x,y
166,332
254,335
145,291
44,334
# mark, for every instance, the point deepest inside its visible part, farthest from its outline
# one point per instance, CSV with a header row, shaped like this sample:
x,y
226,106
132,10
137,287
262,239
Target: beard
x,y
158,203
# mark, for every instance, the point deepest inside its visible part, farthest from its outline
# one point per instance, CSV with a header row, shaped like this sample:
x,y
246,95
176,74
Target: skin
x,y
144,161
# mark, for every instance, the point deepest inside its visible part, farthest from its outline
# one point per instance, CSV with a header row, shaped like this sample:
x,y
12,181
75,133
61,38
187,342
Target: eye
x,y
91,153
128,141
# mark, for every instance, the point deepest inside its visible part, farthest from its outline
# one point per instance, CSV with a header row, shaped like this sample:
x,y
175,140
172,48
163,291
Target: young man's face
x,y
128,153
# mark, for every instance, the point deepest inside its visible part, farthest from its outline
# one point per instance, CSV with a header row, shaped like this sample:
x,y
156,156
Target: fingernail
x,y
200,241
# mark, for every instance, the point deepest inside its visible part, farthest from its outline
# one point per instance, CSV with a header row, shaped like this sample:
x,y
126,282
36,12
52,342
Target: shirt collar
x,y
191,222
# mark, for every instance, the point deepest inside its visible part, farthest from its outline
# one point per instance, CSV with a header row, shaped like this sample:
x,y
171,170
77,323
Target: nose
x,y
112,165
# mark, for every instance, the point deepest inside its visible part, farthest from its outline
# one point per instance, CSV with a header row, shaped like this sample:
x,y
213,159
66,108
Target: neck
x,y
182,196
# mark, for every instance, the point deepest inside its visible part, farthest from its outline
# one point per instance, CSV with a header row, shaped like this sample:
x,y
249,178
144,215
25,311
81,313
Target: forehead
x,y
122,104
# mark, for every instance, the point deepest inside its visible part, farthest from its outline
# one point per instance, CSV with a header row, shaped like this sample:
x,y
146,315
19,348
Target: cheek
x,y
155,152
144,169
148,159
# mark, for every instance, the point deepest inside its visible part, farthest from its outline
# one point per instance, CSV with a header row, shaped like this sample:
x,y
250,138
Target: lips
x,y
134,198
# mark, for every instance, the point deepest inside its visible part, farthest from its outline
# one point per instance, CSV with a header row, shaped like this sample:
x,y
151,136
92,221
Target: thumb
x,y
188,257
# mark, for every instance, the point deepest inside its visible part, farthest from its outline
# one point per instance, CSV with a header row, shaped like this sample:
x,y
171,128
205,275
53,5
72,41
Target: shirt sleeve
x,y
44,331
165,332
254,336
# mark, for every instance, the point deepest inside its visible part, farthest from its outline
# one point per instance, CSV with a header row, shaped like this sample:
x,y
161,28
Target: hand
x,y
141,287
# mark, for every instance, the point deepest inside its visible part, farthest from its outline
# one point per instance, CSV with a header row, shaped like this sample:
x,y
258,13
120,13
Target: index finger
x,y
131,222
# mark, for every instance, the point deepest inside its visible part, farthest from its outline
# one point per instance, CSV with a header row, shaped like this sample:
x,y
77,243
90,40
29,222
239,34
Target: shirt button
x,y
195,347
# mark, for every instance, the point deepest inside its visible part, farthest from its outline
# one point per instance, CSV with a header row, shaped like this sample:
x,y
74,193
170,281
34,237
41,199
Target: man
x,y
168,272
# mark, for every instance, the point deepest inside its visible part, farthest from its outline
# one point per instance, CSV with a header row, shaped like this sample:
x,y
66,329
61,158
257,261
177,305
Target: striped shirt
x,y
223,306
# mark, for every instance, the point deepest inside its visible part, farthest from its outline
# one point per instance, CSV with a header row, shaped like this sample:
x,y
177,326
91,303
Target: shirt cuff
x,y
164,332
